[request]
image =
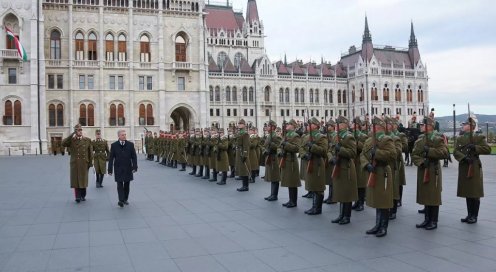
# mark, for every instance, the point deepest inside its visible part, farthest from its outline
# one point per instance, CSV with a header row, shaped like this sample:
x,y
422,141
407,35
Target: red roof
x,y
281,68
212,66
252,11
297,69
312,71
245,67
229,67
239,19
219,17
394,56
326,71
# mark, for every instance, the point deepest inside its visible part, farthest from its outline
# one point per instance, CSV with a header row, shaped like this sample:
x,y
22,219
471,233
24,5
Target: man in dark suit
x,y
123,157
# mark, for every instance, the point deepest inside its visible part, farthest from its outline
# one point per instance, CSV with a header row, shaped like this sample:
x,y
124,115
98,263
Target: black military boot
x,y
214,176
346,214
77,195
293,198
207,173
475,211
193,171
183,167
97,180
375,229
341,214
434,214
274,191
223,179
329,198
316,204
157,158
200,172
393,210
101,180
468,201
427,218
253,176
400,202
175,164
245,185
358,206
384,223
422,211
308,195
232,172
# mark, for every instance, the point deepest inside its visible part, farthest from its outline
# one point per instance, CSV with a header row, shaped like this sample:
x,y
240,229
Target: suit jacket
x,y
122,161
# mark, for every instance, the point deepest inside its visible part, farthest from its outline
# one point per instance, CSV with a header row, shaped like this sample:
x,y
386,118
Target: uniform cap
x,y
358,121
341,119
241,122
330,122
78,126
272,123
98,131
314,121
293,122
378,122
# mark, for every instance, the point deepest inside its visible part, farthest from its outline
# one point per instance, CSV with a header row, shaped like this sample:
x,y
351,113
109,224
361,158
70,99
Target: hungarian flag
x,y
20,48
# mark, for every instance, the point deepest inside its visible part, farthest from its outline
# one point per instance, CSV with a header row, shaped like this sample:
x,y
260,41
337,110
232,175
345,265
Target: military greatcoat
x,y
81,159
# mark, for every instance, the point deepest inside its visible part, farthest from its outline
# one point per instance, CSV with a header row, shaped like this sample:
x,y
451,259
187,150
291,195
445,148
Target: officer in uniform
x,y
315,152
378,154
214,141
361,173
344,181
468,147
100,157
330,132
221,156
206,152
272,171
242,155
231,151
254,153
81,161
181,150
427,151
290,171
195,150
401,143
200,142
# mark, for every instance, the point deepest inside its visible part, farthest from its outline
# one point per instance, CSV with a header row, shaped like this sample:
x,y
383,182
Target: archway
x,y
182,119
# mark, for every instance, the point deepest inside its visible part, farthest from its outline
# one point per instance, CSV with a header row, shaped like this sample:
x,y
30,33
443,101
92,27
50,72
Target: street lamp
x,y
454,123
487,130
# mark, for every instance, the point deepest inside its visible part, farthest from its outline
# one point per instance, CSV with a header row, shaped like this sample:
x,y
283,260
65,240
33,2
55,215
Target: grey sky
x,y
456,39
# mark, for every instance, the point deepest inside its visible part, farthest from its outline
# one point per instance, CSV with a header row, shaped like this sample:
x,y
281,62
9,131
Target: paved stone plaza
x,y
178,223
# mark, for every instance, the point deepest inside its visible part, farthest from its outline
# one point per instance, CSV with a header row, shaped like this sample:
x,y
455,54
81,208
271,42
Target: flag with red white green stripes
x,y
20,49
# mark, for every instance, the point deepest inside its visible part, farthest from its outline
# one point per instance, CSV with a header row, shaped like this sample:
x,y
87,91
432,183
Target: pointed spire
x,y
252,11
285,59
366,33
413,39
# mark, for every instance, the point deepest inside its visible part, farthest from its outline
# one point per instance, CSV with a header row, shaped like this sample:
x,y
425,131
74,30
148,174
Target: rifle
x,y
427,175
268,151
335,170
282,162
372,175
470,172
310,137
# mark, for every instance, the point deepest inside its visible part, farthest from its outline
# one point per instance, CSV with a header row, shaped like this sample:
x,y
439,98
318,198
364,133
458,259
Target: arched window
x,y
237,59
234,94
316,96
339,96
55,45
362,94
297,96
79,39
385,93
8,117
146,115
344,99
221,59
267,94
113,115
122,48
286,95
353,95
251,95
92,52
180,48
56,115
302,95
217,93
245,94
375,96
311,95
91,115
326,100
109,47
120,115
83,117
397,93
228,94
281,95
331,96
211,91
17,113
60,115
51,115
144,48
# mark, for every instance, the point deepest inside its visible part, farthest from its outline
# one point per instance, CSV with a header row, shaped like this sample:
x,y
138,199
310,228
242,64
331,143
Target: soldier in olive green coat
x,y
427,151
332,141
81,161
361,173
195,150
100,157
214,142
272,171
290,171
378,154
181,149
254,154
222,160
398,166
242,157
231,151
470,178
316,150
344,182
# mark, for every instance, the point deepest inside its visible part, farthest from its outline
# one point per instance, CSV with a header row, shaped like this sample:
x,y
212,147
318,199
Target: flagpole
x,y
38,69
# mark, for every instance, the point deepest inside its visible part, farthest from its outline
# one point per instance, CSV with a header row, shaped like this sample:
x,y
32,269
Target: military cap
x,y
292,122
330,122
314,121
221,130
98,131
241,122
278,129
272,123
341,119
428,121
378,121
358,121
77,127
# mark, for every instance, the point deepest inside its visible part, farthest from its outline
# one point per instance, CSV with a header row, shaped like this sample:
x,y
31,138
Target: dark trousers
x,y
80,193
123,190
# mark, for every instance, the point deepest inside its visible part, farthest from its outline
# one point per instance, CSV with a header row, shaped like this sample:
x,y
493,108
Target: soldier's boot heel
x,y
384,224
475,211
434,213
183,167
223,180
341,214
375,229
346,214
293,197
427,219
207,173
313,210
274,188
392,211
200,172
214,177
244,187
193,171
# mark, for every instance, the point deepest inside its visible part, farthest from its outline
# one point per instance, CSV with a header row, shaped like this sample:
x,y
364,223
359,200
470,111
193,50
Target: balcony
x,y
181,65
85,63
9,54
116,64
56,63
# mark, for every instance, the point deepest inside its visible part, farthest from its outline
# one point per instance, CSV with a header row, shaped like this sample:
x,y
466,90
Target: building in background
x,y
173,65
